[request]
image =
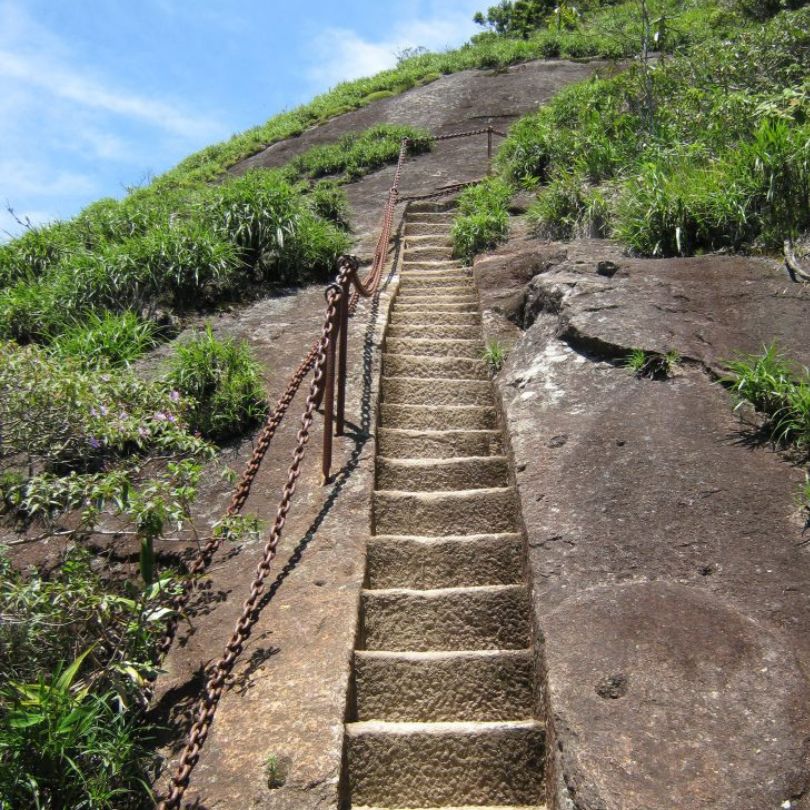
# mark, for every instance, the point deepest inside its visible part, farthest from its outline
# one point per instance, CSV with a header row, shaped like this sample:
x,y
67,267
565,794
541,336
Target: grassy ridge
x,y
713,153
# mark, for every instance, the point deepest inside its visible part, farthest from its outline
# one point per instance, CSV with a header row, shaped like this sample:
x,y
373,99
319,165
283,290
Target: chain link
x,y
207,705
315,359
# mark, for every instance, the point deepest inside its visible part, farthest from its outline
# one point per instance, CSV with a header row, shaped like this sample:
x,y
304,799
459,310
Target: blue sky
x,y
98,95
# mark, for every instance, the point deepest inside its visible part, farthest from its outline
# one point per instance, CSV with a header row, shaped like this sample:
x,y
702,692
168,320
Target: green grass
x,y
652,366
107,340
483,218
721,161
494,355
223,383
779,390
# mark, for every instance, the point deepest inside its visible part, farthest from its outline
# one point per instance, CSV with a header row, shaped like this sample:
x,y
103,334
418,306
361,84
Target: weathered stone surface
x,y
455,103
666,546
664,696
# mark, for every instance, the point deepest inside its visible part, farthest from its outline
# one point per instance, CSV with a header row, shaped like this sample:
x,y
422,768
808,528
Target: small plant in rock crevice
x,y
652,366
275,771
494,355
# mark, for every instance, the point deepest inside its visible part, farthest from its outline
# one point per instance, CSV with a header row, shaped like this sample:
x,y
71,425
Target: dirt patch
x,y
665,542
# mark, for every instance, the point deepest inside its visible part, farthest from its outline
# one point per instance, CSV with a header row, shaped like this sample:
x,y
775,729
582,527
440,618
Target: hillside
x,y
656,521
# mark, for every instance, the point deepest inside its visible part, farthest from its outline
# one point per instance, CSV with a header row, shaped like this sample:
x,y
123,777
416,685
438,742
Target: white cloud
x,y
41,71
342,54
18,177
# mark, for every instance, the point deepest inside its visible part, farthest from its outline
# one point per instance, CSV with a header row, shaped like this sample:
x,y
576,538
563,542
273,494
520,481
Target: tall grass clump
x,y
483,219
223,383
107,340
779,390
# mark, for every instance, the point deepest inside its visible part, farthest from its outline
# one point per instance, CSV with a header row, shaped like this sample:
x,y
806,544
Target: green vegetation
x,y
652,366
483,219
222,382
779,390
494,355
275,771
707,150
69,738
107,340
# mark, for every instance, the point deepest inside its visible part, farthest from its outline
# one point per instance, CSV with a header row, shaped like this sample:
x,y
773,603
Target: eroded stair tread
x,y
460,807
436,686
425,764
395,442
425,475
403,390
472,511
486,617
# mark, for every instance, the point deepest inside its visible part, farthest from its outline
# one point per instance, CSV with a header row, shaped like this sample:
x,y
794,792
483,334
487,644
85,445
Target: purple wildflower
x,y
94,442
174,396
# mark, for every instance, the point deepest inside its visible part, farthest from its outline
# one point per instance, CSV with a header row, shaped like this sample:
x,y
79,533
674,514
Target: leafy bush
x,y
107,340
223,382
63,746
328,201
483,219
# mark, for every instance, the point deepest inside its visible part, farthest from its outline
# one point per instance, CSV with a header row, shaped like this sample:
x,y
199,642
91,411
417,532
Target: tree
x,y
516,19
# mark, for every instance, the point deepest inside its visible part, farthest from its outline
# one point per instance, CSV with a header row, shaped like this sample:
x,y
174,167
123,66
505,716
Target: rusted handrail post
x,y
329,396
343,349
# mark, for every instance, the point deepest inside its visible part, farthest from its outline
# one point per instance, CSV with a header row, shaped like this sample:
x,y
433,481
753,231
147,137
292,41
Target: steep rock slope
x,y
668,554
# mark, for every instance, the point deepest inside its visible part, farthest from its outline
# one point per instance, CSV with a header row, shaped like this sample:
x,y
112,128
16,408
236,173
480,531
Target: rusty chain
x,y
240,495
316,358
207,705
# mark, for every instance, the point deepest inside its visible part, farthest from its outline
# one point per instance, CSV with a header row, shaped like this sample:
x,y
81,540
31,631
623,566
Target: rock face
x,y
670,570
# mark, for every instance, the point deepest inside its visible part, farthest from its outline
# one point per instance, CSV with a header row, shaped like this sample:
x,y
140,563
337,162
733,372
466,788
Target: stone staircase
x,y
444,708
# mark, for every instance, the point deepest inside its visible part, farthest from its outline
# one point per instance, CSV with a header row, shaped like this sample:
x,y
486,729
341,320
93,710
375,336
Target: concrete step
x,y
438,764
409,443
442,475
439,305
465,807
430,206
433,514
409,561
434,330
425,228
486,617
450,275
444,686
431,318
438,417
435,391
456,295
410,291
430,266
440,239
433,347
434,217
427,253
448,368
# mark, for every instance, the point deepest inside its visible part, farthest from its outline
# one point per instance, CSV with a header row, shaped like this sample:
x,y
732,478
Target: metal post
x,y
343,338
329,401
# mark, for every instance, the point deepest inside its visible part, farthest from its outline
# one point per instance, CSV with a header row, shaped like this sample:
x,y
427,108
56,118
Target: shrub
x,y
483,220
63,746
107,340
223,382
328,201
